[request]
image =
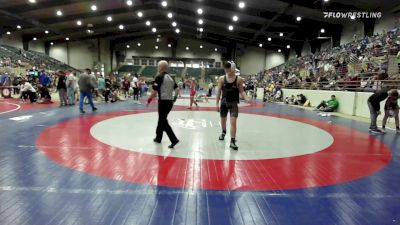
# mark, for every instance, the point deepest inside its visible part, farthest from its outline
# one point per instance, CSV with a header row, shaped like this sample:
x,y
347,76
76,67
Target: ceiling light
x,y
281,34
298,18
164,3
170,15
177,31
34,39
235,18
269,39
242,5
326,0
216,49
279,50
200,21
230,27
148,23
169,45
201,29
187,48
51,43
121,27
156,47
154,29
32,1
260,45
322,30
19,27
174,24
128,46
287,46
199,11
67,38
46,31
129,3
59,13
139,14
138,44
93,7
158,40
109,18
79,23
201,46
8,32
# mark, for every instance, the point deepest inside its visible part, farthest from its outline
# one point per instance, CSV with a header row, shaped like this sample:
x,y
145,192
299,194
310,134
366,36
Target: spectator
x,y
135,87
374,108
16,84
125,87
108,86
210,89
44,79
44,95
71,85
328,106
62,88
391,110
300,100
28,91
101,86
86,85
398,61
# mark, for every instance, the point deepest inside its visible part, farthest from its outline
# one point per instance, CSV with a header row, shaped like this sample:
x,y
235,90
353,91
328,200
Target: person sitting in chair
x,y
328,106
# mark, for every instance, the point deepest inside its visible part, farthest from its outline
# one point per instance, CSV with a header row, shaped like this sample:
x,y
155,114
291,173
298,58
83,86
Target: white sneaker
x,y
383,130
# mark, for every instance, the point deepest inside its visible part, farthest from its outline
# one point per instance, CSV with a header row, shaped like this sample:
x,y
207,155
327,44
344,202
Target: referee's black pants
x,y
164,107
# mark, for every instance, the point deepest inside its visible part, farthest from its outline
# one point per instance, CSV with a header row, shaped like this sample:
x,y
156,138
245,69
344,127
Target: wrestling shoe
x,y
233,146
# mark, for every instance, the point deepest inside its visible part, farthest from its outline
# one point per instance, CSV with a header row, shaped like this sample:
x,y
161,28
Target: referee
x,y
164,86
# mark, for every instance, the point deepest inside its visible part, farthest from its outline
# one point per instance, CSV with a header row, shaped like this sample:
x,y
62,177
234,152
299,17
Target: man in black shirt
x,y
108,89
164,86
62,88
374,108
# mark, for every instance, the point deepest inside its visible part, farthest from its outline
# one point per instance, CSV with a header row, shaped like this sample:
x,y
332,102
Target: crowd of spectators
x,y
361,65
39,85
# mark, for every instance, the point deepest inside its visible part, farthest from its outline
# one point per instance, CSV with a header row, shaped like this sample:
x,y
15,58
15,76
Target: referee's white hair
x,y
163,63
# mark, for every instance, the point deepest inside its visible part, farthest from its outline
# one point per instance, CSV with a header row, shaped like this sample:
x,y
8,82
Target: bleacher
x,y
176,70
194,72
12,53
33,58
149,71
129,69
215,71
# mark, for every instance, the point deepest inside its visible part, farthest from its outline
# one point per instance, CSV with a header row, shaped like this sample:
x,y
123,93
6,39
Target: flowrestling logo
x,y
352,15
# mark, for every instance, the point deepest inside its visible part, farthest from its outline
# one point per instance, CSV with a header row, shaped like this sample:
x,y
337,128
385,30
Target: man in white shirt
x,y
28,91
210,88
135,86
71,84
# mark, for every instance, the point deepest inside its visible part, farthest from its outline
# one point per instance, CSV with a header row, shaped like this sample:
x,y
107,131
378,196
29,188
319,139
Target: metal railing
x,y
358,85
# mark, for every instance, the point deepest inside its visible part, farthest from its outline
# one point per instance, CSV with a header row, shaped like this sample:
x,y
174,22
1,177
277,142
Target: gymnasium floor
x,y
292,167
